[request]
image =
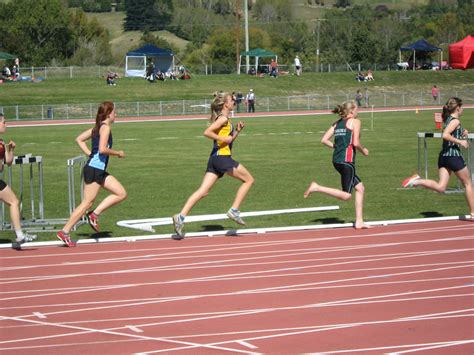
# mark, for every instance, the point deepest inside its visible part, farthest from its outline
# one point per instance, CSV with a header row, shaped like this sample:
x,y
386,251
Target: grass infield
x,y
165,162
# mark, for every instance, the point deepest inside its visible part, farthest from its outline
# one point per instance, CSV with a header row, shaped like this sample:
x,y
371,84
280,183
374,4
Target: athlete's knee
x,y
122,195
347,196
360,187
250,180
14,203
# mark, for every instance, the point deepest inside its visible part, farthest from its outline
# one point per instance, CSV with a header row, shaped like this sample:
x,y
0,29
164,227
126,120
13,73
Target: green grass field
x,y
93,90
165,163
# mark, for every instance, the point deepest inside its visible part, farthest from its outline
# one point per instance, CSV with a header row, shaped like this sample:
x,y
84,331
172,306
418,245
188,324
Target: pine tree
x,y
153,15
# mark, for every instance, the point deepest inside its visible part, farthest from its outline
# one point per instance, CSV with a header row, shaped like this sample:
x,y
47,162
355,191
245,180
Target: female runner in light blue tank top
x,y
95,175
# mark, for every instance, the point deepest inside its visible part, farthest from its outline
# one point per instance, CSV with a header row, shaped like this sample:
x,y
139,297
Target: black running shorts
x,y
2,185
94,175
221,164
451,163
349,179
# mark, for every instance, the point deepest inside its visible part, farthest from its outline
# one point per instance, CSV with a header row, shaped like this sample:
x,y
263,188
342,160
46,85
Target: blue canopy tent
x,y
136,61
420,46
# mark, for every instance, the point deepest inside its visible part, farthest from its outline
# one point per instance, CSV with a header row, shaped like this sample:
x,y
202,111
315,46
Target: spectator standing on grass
x,y
250,100
223,132
273,68
346,133
450,159
95,174
358,98
435,93
6,193
298,68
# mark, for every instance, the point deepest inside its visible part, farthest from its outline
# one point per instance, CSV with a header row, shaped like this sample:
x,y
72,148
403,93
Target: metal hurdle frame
x,y
423,163
38,222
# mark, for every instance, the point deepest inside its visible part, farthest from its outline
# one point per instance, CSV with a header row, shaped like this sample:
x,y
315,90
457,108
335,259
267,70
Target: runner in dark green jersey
x,y
450,158
346,132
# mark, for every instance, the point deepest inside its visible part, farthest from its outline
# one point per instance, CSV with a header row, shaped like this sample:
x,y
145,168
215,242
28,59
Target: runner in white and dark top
x,y
450,158
6,193
346,133
95,174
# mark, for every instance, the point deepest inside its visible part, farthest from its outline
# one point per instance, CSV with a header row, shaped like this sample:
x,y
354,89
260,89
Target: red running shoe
x,y
93,220
408,182
66,239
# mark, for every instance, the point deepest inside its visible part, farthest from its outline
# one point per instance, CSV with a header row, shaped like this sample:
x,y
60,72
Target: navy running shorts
x,y
349,179
221,164
451,163
94,175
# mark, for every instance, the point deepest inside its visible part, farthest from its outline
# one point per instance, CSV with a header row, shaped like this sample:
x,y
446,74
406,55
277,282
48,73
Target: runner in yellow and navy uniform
x,y
223,133
450,158
346,133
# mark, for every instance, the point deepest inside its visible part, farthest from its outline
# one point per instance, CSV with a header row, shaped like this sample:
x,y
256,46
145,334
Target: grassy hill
x,y
122,41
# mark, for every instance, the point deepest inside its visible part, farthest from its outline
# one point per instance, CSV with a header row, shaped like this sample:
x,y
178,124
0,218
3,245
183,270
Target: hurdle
x,y
34,219
148,224
468,155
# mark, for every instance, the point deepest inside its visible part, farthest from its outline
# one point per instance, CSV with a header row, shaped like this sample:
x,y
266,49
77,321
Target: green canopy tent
x,y
257,53
6,56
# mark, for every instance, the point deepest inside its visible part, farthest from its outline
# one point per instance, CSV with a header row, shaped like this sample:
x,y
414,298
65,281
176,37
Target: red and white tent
x,y
461,54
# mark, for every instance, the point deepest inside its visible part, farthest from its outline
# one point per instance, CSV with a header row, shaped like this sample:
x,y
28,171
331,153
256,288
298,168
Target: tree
x,y
154,15
37,31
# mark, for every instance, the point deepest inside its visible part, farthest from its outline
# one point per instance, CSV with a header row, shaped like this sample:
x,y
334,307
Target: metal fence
x,y
204,69
196,107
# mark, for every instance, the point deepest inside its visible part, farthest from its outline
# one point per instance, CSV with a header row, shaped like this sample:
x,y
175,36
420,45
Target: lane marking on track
x,y
39,315
84,330
248,345
133,328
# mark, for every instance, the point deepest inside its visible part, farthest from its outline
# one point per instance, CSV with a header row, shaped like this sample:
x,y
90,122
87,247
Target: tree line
x,y
42,32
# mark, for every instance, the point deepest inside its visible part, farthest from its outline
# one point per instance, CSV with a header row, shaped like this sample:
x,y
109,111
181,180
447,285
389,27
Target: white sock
x,y
19,235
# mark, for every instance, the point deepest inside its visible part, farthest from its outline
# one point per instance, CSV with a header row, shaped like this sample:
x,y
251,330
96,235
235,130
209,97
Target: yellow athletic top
x,y
221,148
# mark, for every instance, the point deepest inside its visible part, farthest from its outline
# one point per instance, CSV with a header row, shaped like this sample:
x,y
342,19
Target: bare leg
x,y
90,193
208,181
463,176
119,194
314,187
359,206
439,186
247,179
8,196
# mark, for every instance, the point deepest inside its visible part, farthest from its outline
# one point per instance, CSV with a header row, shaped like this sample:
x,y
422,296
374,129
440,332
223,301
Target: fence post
x,y
67,111
42,112
385,100
32,73
328,101
358,66
309,105
403,99
288,99
70,72
268,104
161,109
329,68
17,113
90,110
184,109
138,108
45,72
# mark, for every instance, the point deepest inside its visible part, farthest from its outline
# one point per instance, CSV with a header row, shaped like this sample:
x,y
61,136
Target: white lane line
x,y
84,330
437,346
248,345
330,264
39,315
394,347
133,328
297,239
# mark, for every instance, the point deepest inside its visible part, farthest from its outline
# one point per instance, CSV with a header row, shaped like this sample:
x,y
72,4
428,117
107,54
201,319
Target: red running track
x,y
393,289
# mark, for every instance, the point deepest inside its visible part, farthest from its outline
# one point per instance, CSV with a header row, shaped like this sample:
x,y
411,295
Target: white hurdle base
x,y
148,224
245,231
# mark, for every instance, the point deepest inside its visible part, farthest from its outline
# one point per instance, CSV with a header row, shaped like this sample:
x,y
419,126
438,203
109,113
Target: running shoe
x,y
93,221
178,225
66,239
408,182
235,216
26,239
